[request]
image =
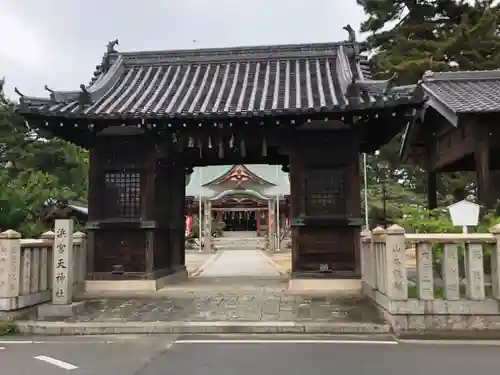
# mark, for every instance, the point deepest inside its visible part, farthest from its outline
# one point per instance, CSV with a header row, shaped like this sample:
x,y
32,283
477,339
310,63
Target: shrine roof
x,y
224,82
454,93
278,180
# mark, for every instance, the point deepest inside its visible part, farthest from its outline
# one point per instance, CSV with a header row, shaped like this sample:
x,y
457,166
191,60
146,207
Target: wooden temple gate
x,y
148,118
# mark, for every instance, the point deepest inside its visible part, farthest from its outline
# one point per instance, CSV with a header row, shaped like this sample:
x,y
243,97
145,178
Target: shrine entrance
x,y
149,118
240,220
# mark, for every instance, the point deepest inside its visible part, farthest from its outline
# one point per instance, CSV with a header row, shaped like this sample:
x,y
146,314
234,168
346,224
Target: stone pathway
x,y
194,260
240,263
241,299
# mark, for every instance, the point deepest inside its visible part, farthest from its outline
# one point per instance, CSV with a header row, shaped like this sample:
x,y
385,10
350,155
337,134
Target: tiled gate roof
x,y
229,81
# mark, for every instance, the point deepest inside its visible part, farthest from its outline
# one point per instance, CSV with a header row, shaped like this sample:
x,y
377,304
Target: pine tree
x,y
412,37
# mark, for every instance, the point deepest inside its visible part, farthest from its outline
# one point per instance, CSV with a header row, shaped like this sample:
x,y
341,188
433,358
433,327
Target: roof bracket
x,y
381,87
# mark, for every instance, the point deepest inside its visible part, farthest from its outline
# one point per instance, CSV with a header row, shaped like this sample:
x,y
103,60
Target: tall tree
x,y
411,37
34,168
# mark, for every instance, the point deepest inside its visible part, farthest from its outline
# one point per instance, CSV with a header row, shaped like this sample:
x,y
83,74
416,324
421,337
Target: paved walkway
x,y
214,302
240,263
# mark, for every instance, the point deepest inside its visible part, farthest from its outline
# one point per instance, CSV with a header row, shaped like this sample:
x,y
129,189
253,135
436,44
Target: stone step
x,y
239,247
223,241
237,244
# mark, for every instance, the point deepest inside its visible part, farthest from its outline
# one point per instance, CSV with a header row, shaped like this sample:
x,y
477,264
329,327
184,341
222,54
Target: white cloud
x,y
58,43
22,43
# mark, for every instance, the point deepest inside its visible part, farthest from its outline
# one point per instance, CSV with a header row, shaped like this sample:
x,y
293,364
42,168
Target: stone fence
x,y
455,284
27,268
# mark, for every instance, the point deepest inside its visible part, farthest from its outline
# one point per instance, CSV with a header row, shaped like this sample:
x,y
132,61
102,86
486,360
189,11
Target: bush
x,y
7,328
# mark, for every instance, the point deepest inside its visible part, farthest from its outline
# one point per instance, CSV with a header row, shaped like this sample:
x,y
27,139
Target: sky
x,y
58,43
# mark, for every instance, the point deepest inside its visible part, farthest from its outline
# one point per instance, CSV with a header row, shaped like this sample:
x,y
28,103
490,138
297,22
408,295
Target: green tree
x,y
410,38
33,168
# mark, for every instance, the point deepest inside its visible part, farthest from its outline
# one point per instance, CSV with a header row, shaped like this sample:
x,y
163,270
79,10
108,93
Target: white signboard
x,y
464,214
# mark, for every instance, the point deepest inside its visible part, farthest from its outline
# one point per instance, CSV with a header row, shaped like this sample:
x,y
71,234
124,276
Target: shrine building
x,y
457,131
149,118
241,197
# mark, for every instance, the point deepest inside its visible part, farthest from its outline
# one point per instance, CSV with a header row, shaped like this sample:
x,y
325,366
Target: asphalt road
x,y
244,355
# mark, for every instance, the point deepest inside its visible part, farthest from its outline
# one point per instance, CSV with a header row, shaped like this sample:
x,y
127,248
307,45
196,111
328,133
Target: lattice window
x,y
122,194
324,192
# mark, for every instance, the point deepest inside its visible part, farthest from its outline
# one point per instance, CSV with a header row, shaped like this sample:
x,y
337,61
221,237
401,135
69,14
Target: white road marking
x,y
56,362
367,342
451,342
2,348
8,342
76,340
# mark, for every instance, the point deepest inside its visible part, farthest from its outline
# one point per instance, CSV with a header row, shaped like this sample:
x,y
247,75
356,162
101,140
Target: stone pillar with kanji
x,y
62,304
62,266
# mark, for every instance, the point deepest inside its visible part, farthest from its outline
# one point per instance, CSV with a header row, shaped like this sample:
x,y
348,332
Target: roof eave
x,y
312,113
441,106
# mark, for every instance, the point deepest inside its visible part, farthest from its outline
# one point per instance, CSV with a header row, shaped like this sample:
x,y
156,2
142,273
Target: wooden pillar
x,y
257,221
130,210
325,206
177,223
94,204
207,226
272,225
482,159
432,190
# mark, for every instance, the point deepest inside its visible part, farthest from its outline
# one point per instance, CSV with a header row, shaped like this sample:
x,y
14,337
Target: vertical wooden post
x,y
207,235
272,225
482,159
431,190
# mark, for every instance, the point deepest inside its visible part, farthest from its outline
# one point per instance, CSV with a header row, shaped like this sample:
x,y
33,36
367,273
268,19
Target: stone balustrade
x,y
26,268
452,287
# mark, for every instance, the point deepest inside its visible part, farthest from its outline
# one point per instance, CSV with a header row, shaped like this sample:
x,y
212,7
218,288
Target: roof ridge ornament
x,y
16,90
352,33
110,47
51,92
106,62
